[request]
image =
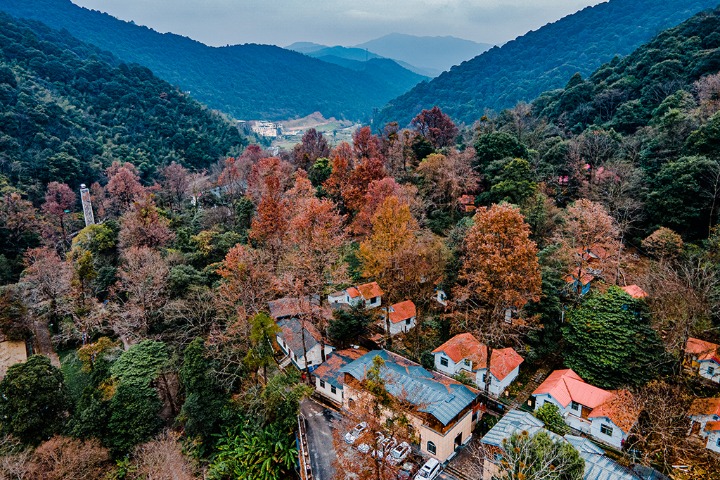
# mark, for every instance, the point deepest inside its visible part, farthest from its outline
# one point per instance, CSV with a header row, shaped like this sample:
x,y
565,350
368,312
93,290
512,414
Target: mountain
x,y
382,69
246,81
434,54
640,89
305,47
68,109
543,59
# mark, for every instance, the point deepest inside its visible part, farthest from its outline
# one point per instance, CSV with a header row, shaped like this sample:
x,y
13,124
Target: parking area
x,y
320,424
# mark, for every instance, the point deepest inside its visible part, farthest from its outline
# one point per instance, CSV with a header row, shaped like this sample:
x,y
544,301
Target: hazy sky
x,y
338,22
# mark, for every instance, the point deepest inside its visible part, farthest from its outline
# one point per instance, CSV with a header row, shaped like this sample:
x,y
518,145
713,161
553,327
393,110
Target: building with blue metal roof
x,y
443,410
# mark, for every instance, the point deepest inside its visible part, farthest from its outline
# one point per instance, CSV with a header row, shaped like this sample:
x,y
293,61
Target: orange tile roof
x,y
705,406
466,200
702,350
353,292
402,311
621,409
370,290
712,427
635,291
465,345
566,386
584,279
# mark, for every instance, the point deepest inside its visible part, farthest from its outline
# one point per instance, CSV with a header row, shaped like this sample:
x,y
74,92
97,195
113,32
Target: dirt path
x,y
43,342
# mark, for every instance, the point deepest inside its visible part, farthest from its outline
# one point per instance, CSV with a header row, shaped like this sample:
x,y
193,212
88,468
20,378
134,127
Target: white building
x,y
402,317
705,417
328,379
704,358
368,294
606,416
300,341
465,353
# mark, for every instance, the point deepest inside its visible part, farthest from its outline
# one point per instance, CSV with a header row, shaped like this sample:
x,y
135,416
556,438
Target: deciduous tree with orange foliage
x,y
353,192
262,170
270,223
143,226
123,186
436,127
59,203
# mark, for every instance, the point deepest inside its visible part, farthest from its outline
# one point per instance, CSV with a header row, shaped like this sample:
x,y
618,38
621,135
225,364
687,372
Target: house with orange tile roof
x,y
580,285
704,358
704,415
369,294
635,292
607,416
328,379
402,317
464,352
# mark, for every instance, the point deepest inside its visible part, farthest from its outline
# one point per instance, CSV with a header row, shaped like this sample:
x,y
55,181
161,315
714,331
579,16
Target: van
x,y
429,471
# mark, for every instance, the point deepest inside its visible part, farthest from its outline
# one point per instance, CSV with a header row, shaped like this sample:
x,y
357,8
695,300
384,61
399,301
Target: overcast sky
x,y
338,22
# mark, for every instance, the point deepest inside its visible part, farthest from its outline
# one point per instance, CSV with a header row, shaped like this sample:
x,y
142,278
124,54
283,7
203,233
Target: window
x,y
322,383
443,361
575,406
483,378
407,321
718,442
475,416
711,371
467,362
431,448
333,389
606,430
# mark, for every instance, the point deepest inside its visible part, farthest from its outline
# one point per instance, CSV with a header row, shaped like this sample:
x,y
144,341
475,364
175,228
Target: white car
x,y
429,471
363,448
399,453
355,433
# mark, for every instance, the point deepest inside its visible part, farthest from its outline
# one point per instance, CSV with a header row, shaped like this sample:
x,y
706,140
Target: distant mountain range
x,y
247,81
428,56
541,60
433,54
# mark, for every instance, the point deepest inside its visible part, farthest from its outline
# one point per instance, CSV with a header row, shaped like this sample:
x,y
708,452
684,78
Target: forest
x,y
161,350
542,60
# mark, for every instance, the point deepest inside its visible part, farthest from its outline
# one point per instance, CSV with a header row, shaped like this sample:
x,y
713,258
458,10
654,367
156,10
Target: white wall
x,y
497,387
452,368
713,442
313,355
702,420
703,370
401,327
326,391
572,417
617,434
373,302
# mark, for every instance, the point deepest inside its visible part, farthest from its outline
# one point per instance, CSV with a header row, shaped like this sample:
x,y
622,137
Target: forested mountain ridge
x,y
246,81
543,59
69,109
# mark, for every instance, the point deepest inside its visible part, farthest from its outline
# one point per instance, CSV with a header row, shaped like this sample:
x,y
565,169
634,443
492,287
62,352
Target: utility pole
x,y
87,206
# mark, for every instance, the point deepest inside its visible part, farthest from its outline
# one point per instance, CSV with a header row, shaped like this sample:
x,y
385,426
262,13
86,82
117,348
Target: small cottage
x,y
402,317
704,415
703,358
302,343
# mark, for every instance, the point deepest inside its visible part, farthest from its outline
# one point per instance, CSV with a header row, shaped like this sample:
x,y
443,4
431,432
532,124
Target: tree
x,y
162,459
312,146
436,127
515,182
18,218
539,457
143,283
204,399
175,184
609,341
550,415
446,177
270,224
61,458
34,401
143,226
47,280
663,243
263,330
500,266
354,190
491,147
123,186
348,325
588,229
59,202
365,144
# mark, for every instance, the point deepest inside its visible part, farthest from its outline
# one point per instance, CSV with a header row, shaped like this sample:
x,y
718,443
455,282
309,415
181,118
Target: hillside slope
x,y
68,109
246,81
543,59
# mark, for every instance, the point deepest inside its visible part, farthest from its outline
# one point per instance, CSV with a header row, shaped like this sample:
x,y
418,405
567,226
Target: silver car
x,y
355,433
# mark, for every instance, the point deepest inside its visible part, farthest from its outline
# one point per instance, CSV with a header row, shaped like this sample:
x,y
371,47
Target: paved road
x,y
320,421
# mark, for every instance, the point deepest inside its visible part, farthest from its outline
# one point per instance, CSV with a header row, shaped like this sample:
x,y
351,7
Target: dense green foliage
x,y
34,402
609,341
550,415
82,109
649,86
254,90
528,456
543,59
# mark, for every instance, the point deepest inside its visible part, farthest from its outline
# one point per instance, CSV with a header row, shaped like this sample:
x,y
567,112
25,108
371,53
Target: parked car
x,y
355,433
384,445
407,470
363,448
399,453
429,471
